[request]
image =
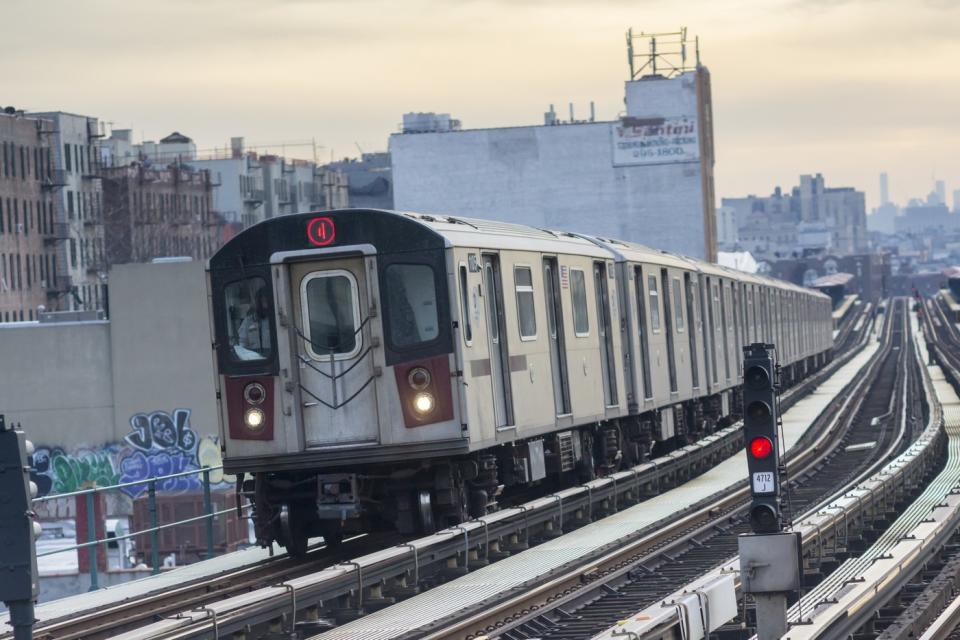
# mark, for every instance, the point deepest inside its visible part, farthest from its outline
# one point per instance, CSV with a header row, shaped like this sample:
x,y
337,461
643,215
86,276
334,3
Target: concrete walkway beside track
x,y
513,574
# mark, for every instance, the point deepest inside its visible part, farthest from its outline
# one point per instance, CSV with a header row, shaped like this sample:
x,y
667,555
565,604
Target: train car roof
x,y
460,231
632,251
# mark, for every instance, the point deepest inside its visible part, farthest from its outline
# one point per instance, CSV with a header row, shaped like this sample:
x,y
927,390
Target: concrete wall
x,y
121,400
57,381
162,355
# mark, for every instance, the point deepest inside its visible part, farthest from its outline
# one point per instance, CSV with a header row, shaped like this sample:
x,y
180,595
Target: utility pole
x,y
769,557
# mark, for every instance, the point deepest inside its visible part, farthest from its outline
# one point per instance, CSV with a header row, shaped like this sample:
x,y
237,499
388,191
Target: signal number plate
x,y
763,482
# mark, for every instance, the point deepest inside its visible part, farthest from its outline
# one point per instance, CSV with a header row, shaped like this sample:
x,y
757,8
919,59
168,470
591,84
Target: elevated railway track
x,y
334,587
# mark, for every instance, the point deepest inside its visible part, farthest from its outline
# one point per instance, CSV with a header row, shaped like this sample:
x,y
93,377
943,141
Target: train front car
x,y
334,353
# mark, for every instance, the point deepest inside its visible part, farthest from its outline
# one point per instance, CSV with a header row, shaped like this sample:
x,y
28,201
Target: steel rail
x,y
945,624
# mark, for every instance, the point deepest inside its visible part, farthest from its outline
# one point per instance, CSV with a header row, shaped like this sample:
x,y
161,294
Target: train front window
x,y
249,314
331,314
411,304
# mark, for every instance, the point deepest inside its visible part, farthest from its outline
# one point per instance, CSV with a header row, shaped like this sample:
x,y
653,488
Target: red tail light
x,y
250,407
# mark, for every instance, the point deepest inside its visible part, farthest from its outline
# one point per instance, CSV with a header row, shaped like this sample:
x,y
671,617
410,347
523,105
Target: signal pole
x,y
18,530
769,557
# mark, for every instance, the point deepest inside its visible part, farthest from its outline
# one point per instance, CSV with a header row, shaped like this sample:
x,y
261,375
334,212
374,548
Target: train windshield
x,y
249,314
411,304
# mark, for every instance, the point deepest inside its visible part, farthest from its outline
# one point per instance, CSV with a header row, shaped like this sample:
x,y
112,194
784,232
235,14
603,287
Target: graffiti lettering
x,y
160,430
143,466
57,471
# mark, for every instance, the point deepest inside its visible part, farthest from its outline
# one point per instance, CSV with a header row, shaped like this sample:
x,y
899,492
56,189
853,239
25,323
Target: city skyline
x,y
847,89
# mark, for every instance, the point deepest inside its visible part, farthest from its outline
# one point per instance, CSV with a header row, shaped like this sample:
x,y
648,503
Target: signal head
x,y
759,410
764,518
757,377
761,447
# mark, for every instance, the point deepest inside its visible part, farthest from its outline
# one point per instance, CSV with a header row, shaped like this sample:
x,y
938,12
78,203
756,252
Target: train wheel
x,y
425,510
293,532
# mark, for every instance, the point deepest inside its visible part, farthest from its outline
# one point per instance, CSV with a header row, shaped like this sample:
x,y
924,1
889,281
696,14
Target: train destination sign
x,y
639,141
321,231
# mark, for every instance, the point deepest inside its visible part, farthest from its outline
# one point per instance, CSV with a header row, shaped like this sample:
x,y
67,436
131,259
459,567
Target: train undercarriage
x,y
434,493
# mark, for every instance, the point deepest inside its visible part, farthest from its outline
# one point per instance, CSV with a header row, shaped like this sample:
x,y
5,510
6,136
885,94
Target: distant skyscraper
x,y
956,200
941,189
884,188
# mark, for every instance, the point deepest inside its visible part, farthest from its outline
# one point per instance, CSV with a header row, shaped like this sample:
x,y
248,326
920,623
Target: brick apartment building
x,y
29,232
159,211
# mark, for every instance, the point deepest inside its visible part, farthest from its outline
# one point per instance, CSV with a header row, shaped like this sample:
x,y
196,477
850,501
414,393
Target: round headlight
x,y
254,393
254,419
423,403
419,378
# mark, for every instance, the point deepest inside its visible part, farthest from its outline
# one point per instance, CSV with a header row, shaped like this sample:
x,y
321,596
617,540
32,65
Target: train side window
x,y
526,314
578,291
678,303
465,306
249,317
331,314
654,303
411,304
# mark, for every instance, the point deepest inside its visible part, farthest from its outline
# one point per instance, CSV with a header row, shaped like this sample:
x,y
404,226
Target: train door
x,y
558,351
331,321
693,317
642,328
497,339
607,358
725,333
668,320
714,308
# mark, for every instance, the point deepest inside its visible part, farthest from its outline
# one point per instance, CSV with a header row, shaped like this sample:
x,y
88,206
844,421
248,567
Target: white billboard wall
x,y
639,141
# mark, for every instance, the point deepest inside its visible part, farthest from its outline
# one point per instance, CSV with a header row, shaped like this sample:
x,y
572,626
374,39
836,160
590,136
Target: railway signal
x,y
18,530
769,557
762,441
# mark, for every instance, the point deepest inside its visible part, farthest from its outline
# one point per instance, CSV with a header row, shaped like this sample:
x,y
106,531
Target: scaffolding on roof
x,y
665,56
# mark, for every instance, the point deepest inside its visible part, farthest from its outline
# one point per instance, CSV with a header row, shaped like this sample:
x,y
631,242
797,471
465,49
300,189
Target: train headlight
x,y
419,378
424,403
253,419
254,393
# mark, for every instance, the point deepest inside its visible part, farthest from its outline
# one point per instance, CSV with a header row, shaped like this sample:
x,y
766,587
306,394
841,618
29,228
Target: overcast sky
x,y
846,88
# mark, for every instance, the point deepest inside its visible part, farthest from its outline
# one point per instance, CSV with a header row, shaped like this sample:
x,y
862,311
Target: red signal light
x,y
761,447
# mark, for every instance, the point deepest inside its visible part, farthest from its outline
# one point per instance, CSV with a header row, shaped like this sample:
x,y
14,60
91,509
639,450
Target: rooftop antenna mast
x,y
666,54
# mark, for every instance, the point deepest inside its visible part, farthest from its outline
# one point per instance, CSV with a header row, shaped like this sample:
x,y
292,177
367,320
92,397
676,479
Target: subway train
x,y
403,371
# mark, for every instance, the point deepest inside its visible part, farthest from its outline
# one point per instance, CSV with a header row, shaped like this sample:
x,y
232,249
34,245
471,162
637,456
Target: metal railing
x,y
93,543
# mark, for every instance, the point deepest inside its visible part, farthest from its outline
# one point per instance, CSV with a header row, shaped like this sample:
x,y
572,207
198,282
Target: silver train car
x,y
379,369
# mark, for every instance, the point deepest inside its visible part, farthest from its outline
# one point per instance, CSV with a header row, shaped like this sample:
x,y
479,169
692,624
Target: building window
x,y
73,252
70,204
66,157
526,313
578,291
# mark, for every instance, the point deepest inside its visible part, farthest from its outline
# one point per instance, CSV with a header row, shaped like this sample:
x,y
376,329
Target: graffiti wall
x,y
159,443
